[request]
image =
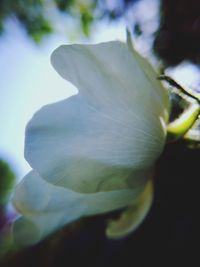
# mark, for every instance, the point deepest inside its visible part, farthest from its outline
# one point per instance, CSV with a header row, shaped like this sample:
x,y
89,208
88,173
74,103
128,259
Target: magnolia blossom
x,y
93,152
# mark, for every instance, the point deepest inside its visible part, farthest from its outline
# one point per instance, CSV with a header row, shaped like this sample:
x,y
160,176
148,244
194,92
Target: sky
x,y
28,82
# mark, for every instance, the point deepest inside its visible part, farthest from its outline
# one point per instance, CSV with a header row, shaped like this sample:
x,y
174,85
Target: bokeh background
x,y
165,31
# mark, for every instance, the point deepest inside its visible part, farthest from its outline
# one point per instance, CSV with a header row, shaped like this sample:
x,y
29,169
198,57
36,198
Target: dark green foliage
x,y
63,5
7,182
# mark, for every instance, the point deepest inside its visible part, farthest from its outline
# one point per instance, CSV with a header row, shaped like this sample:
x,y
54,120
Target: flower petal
x,y
132,217
151,75
73,145
47,207
111,72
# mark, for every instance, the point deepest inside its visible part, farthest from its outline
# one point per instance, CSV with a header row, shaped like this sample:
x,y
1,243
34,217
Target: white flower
x,y
93,152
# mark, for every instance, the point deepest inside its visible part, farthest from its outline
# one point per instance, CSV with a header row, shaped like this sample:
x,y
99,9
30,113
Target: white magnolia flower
x,y
93,152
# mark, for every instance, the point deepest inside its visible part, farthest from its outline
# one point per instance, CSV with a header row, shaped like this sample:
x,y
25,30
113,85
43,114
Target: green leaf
x,y
180,126
193,135
7,182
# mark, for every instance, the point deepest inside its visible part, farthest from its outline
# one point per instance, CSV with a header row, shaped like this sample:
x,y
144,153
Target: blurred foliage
x,y
30,13
177,38
7,182
35,15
